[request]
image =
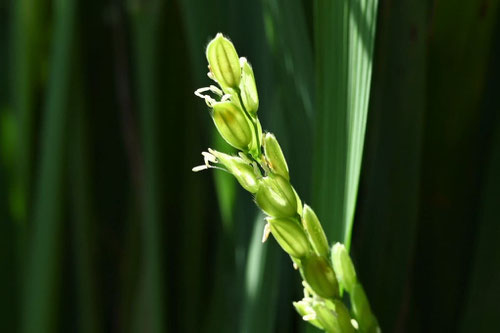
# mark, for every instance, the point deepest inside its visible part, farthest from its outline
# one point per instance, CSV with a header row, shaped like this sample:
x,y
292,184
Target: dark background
x,y
104,228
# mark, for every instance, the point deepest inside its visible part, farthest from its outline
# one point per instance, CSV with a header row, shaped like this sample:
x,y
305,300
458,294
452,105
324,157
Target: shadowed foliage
x,y
104,228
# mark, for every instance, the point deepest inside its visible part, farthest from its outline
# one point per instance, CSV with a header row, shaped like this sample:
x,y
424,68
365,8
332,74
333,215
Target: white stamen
x,y
209,100
216,90
198,92
211,76
295,266
267,231
199,168
209,157
310,316
354,323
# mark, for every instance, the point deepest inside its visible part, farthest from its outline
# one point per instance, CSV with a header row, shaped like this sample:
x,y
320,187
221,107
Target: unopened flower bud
x,y
334,316
315,231
275,158
320,276
276,197
224,62
290,235
362,311
232,125
247,87
343,267
242,171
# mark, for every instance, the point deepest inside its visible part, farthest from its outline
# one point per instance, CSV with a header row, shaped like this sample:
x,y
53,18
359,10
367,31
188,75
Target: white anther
x,y
198,92
310,316
211,76
354,323
295,266
267,231
216,90
226,97
209,157
199,168
209,100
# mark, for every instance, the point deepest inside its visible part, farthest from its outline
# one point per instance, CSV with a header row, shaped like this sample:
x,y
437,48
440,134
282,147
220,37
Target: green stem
x,y
255,127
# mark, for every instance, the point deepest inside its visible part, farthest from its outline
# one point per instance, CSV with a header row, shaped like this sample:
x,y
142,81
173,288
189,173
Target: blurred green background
x,y
104,228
